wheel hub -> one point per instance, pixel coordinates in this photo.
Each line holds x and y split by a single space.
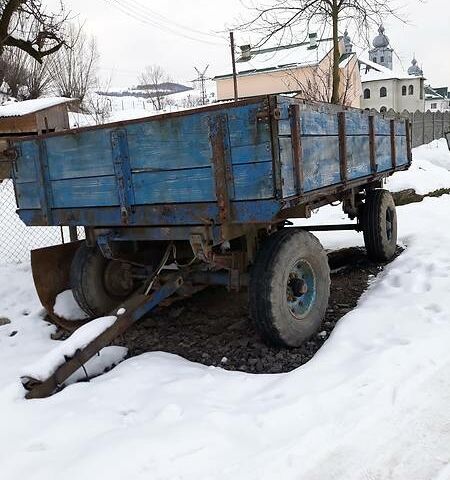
118 279
301 289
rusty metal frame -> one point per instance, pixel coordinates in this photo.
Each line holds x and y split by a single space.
296 139
408 127
372 146
342 147
393 146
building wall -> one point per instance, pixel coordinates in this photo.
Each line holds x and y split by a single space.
53 119
295 79
394 98
439 105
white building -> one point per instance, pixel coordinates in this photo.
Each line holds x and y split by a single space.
385 87
437 99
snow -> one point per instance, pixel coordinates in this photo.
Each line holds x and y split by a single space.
47 365
372 404
430 170
67 307
16 109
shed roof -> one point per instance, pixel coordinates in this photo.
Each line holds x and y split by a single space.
18 109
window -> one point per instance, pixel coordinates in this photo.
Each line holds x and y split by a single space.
383 92
411 90
381 59
433 106
375 59
383 110
404 90
367 93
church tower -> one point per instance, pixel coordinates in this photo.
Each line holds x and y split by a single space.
382 52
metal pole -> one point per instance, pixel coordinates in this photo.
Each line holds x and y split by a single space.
233 59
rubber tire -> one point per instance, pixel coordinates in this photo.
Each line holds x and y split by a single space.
379 247
267 288
86 281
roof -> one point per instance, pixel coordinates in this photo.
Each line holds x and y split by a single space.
18 109
432 94
379 72
282 57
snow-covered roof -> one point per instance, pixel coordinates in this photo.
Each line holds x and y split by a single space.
283 57
379 72
18 109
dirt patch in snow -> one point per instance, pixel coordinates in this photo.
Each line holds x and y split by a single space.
213 327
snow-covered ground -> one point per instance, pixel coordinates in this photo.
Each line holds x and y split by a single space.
372 404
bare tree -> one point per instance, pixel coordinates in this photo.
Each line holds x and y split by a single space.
30 27
74 67
25 77
317 85
153 80
280 19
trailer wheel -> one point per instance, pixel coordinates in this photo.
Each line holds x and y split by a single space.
99 284
289 287
379 223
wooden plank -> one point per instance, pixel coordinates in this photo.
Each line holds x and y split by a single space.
86 154
170 143
343 146
288 169
393 144
176 186
401 150
27 162
253 181
85 192
382 126
244 127
260 152
358 157
383 149
357 122
318 123
27 195
321 162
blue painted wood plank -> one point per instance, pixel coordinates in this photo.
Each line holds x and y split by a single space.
400 127
85 192
383 153
244 127
287 167
320 156
27 162
382 126
253 181
358 157
260 152
27 195
356 122
401 150
170 143
318 123
85 154
176 186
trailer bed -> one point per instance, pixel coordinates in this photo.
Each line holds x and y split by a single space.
232 163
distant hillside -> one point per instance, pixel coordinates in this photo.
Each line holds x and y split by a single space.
147 91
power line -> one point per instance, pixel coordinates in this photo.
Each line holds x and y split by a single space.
146 19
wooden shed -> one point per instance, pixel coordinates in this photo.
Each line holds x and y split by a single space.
32 117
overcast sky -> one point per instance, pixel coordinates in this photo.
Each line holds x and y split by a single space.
135 33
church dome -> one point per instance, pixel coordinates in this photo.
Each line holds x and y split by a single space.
414 69
381 40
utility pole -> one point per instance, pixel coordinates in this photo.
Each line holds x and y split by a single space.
233 59
201 80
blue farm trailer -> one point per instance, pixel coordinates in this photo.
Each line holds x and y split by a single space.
174 202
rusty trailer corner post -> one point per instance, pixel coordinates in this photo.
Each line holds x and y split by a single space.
408 127
296 139
135 308
222 165
393 146
342 147
372 147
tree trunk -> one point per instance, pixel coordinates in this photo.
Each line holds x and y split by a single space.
336 55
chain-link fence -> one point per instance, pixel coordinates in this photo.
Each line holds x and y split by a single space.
16 239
